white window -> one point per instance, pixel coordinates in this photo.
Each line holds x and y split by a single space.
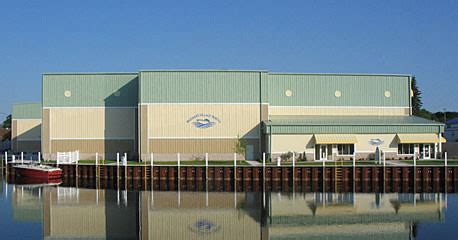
406 149
345 149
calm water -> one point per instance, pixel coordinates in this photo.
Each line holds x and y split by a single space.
56 212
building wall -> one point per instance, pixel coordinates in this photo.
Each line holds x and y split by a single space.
90 113
26 128
173 103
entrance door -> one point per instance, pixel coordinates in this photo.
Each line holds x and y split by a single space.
324 152
425 151
249 152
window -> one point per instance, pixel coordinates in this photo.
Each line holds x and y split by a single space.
406 149
346 149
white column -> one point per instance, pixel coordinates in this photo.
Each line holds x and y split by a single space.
294 159
22 157
96 159
414 159
206 159
125 157
39 157
6 159
117 159
179 160
354 159
263 159
152 159
440 143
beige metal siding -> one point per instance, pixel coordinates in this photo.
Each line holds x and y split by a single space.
144 146
176 120
29 129
339 111
293 143
28 146
192 145
93 123
93 146
46 138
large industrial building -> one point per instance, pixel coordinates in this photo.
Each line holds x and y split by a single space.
192 112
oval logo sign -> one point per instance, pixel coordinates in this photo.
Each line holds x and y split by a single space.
202 120
204 226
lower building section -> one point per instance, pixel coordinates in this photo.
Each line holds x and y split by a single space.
87 148
195 149
26 146
361 146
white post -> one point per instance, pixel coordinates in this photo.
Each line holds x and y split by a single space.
125 159
117 159
263 159
278 161
445 156
235 171
384 160
14 158
206 173
22 157
96 158
354 159
39 157
294 159
179 160
152 160
414 159
6 159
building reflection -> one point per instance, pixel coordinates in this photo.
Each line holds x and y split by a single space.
110 214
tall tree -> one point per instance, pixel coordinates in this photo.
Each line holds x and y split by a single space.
7 122
416 98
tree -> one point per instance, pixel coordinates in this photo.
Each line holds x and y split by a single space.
7 122
416 98
240 146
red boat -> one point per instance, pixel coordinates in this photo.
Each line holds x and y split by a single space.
41 172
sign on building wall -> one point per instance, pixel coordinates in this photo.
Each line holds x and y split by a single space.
203 121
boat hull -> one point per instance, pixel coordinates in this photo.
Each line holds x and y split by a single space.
38 174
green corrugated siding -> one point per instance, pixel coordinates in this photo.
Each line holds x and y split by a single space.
357 90
27 111
352 129
200 87
90 90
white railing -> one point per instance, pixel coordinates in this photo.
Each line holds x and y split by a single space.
67 157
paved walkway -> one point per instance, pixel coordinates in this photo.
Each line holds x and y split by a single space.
396 163
254 163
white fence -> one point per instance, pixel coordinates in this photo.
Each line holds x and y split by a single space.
68 157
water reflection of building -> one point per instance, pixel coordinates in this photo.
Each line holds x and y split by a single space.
200 215
69 213
26 203
74 213
351 216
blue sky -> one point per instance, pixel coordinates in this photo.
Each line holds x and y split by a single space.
415 37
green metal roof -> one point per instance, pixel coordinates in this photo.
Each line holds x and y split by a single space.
355 89
26 111
90 90
350 124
